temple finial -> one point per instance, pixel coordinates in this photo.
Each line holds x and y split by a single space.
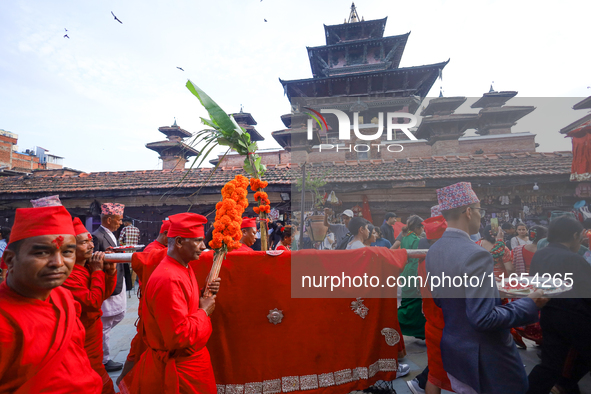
353 16
440 91
492 90
174 124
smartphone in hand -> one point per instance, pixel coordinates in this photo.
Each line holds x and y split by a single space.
494 226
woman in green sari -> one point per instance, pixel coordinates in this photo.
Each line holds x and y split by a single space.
410 311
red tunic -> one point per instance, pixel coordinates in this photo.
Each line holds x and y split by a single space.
243 248
90 290
42 345
527 256
176 331
143 264
154 245
433 333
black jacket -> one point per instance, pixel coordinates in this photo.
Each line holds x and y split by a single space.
102 241
558 259
388 232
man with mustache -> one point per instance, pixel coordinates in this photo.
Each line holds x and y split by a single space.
91 282
176 318
41 337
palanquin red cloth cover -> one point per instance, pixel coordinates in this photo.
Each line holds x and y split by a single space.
320 345
581 166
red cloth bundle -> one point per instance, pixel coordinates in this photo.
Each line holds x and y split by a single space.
320 344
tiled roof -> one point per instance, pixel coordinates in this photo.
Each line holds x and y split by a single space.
412 169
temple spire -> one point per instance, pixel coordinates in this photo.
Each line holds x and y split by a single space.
353 16
492 90
174 124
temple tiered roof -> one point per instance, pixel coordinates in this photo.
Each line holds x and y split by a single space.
358 61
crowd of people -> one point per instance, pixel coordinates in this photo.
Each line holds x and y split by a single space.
61 298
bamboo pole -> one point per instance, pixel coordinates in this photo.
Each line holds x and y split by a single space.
218 259
301 243
264 231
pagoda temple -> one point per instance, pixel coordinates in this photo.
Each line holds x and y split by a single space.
247 122
174 153
358 70
495 117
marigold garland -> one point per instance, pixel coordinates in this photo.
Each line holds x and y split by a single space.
256 184
228 218
260 196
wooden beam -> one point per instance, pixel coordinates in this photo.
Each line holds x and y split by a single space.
346 56
392 51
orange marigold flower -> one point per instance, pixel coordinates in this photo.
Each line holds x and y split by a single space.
260 196
256 209
253 184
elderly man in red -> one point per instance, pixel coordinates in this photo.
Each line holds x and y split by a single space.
249 232
176 318
41 337
161 242
91 282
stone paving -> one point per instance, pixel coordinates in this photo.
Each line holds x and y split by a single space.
416 352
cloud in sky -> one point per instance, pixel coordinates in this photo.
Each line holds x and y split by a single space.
98 97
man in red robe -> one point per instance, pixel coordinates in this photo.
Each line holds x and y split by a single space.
91 282
143 264
436 377
41 337
249 234
161 242
176 318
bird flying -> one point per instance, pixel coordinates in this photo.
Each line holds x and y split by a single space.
265 20
180 69
66 36
117 19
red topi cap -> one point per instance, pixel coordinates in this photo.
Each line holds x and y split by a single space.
79 228
165 226
435 227
33 222
187 225
248 222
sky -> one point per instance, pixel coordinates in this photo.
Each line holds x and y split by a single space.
97 97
